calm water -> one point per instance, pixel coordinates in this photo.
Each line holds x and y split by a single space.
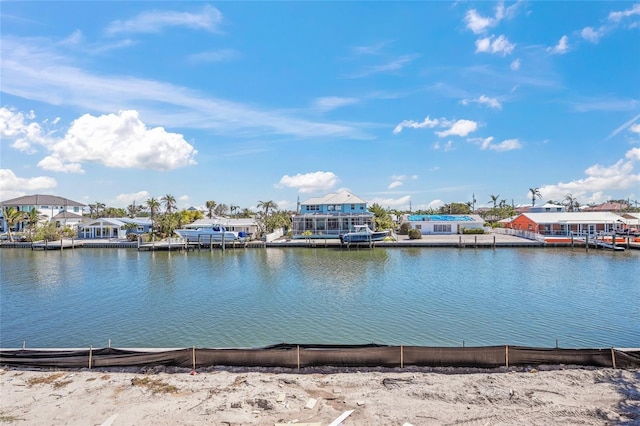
258 297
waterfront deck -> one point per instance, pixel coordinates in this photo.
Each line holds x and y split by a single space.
479 241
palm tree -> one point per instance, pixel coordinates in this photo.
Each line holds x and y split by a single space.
266 205
12 216
571 202
154 206
33 218
234 209
99 208
494 200
169 202
221 210
210 206
535 193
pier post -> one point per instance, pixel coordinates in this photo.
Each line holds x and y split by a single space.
494 241
459 241
61 244
475 241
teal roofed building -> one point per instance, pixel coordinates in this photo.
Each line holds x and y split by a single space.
330 216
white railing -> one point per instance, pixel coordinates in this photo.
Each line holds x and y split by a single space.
519 233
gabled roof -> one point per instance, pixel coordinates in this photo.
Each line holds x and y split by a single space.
342 197
40 200
573 217
608 206
67 215
102 220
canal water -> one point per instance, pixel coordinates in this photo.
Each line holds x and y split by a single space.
259 297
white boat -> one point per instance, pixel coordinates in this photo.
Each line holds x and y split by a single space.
206 233
363 234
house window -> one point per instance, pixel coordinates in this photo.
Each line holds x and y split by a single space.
353 206
140 228
314 208
333 224
418 226
442 228
76 209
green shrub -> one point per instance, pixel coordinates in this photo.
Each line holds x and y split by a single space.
473 231
414 234
404 229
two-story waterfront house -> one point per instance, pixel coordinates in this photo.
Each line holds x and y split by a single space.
52 207
330 216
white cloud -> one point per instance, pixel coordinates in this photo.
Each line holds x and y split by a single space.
592 35
479 24
506 145
561 48
515 65
446 147
138 197
310 182
500 45
394 65
120 141
617 16
434 204
633 154
635 128
394 184
12 186
329 103
598 180
476 23
33 69
156 21
391 202
427 122
484 100
14 126
459 128
624 126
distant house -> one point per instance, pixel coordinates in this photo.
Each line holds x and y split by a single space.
566 223
109 227
46 205
443 223
609 206
547 208
330 216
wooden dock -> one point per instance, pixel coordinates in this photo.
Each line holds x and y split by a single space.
56 245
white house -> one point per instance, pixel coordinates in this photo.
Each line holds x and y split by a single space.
443 223
48 206
110 227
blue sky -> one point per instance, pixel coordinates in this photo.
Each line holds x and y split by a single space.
401 103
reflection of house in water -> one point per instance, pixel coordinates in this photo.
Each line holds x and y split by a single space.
330 216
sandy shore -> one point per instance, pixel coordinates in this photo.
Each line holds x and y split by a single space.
533 397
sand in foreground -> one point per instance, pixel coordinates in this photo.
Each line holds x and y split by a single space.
572 396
